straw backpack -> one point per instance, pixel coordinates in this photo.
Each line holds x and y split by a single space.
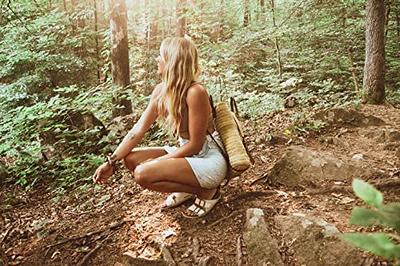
228 126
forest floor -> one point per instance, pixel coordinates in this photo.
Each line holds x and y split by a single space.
96 225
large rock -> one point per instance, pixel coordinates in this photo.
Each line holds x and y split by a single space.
262 248
63 134
315 242
349 117
301 166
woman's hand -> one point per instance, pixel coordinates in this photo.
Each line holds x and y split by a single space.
103 172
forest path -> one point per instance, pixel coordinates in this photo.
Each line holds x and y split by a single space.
95 226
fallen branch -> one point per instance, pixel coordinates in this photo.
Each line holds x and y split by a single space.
265 176
111 226
223 218
196 249
5 235
87 256
383 185
239 252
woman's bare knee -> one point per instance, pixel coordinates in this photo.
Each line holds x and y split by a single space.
141 175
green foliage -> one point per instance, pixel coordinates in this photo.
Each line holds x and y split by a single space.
367 193
388 215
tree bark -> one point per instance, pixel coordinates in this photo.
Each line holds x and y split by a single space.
276 41
119 53
65 5
181 18
246 13
96 41
374 68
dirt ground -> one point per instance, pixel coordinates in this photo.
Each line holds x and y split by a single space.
96 225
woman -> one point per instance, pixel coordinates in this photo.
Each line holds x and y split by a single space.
197 167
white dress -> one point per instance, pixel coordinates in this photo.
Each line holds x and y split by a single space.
209 165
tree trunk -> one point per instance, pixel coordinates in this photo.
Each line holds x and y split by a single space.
181 18
276 41
246 14
96 41
398 24
65 5
374 68
74 3
387 17
119 53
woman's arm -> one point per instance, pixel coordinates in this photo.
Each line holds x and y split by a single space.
136 134
198 116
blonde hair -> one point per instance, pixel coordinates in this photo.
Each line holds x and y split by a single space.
181 69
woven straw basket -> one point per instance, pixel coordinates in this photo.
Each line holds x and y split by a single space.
232 137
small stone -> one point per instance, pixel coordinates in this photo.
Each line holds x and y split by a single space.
358 157
392 135
346 200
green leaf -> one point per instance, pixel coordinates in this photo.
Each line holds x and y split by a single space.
391 215
367 192
377 243
365 217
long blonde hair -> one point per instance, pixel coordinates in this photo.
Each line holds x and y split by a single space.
181 69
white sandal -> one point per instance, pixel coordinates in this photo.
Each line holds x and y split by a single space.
177 198
201 207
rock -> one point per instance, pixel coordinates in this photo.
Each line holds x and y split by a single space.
349 117
262 248
392 135
290 101
358 157
59 135
301 166
129 259
316 242
291 82
120 125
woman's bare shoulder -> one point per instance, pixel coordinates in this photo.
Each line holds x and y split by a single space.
197 90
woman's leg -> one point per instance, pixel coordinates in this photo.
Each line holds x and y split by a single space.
170 175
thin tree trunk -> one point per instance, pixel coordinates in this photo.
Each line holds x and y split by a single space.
65 5
387 18
74 3
119 54
96 41
276 41
353 70
374 68
246 13
398 24
181 18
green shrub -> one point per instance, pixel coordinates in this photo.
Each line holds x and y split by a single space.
387 215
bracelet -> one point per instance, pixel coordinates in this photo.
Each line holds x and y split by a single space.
111 162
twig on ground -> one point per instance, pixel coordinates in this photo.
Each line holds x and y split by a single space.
87 256
239 252
196 249
6 235
381 185
264 176
111 226
223 218
167 256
